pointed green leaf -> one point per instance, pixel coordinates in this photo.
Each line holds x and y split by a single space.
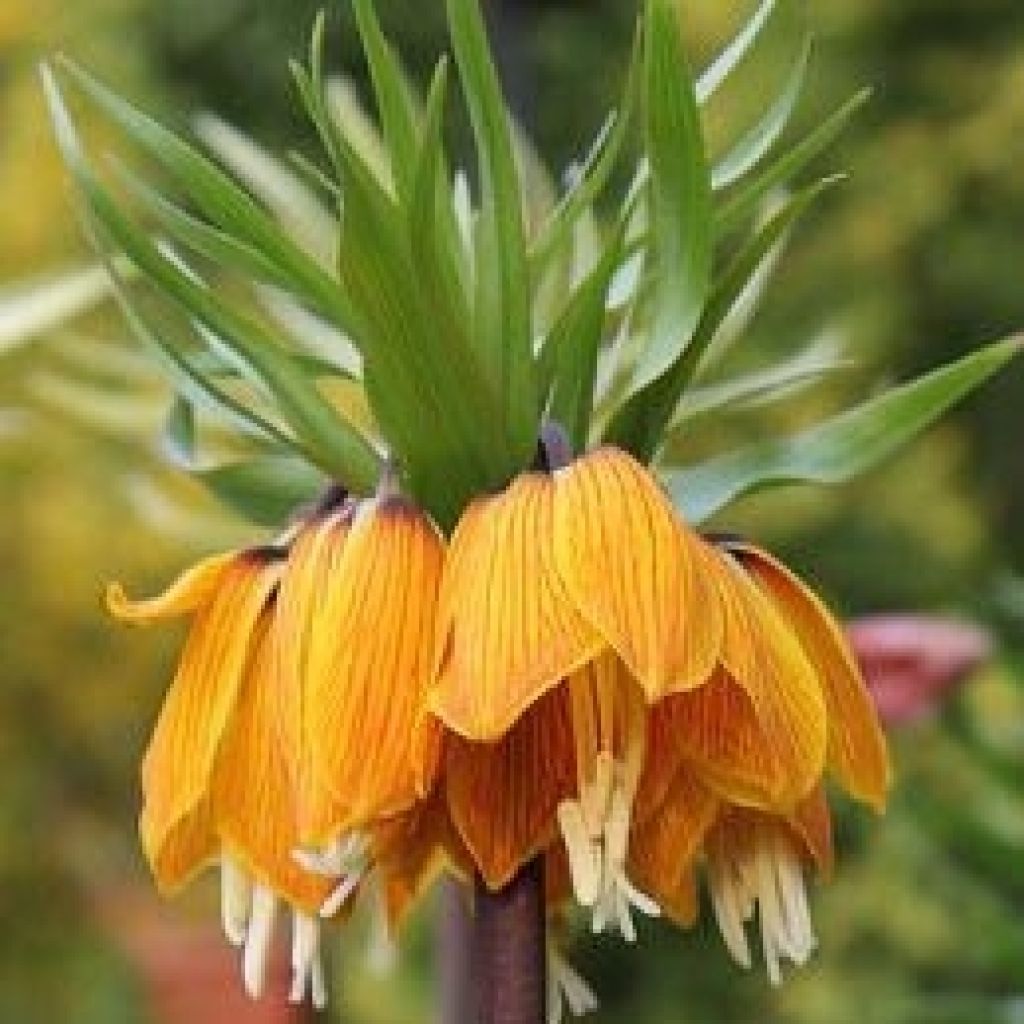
680 229
266 490
393 104
757 143
218 197
571 347
841 448
724 64
502 327
328 438
639 424
590 179
789 164
758 387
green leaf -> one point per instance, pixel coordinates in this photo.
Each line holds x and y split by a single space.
590 179
266 489
757 143
760 386
218 197
326 436
724 64
570 350
639 424
679 196
841 448
789 164
393 104
501 309
179 441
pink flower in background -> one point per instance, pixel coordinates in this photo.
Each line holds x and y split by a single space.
911 662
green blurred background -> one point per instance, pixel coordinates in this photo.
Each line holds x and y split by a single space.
916 259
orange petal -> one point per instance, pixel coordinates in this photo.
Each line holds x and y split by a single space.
856 745
412 850
177 855
636 571
507 630
179 762
662 851
717 730
812 823
765 658
302 627
189 592
503 796
254 803
366 685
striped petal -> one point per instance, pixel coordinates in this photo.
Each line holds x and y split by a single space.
302 628
663 851
193 589
366 687
636 571
507 629
718 731
179 762
812 823
763 656
253 800
856 745
503 796
178 854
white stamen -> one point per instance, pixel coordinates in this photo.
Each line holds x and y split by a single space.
257 940
347 859
566 987
595 831
307 970
339 897
766 879
235 899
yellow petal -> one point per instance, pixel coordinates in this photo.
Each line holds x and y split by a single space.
507 630
366 686
765 658
177 768
503 796
662 852
193 589
856 745
636 571
253 800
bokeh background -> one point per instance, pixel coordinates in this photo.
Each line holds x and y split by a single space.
915 260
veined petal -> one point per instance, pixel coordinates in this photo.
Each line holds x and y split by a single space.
856 745
177 855
507 629
253 801
663 850
812 823
718 731
765 658
302 626
636 571
503 796
193 589
412 849
367 685
178 765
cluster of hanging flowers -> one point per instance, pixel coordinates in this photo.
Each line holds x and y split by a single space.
575 675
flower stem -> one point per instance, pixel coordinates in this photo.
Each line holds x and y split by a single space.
509 949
